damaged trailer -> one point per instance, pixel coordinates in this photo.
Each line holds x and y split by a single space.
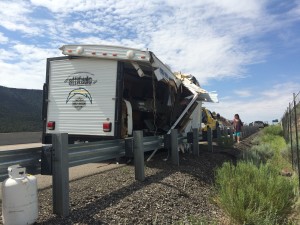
98 92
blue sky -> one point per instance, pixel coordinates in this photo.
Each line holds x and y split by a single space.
247 51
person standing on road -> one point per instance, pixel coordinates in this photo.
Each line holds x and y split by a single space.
237 125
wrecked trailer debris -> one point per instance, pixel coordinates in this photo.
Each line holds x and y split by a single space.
98 92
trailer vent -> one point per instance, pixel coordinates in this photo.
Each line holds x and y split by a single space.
107 126
51 125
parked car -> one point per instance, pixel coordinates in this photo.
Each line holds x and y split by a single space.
259 124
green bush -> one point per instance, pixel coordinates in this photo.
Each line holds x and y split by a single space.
259 154
255 140
277 143
254 195
273 130
269 148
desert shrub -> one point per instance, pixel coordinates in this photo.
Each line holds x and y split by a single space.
277 143
254 195
273 130
260 153
255 140
269 148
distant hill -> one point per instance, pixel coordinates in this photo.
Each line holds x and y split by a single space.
20 110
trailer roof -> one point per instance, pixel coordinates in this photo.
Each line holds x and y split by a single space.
162 72
106 52
136 56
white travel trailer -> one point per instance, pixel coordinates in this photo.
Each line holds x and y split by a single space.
98 92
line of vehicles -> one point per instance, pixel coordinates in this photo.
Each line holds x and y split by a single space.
259 124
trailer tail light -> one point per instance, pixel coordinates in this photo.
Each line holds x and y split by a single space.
107 126
51 125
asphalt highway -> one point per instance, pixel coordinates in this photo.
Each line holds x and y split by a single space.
20 138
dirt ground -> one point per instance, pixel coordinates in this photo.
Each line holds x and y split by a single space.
169 195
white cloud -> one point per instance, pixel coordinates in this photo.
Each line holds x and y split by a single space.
244 9
87 27
266 106
243 93
110 41
7 55
205 38
280 89
14 17
24 66
31 53
66 6
3 39
206 49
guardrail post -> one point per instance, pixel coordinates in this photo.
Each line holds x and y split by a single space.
129 147
209 139
244 132
174 147
224 132
138 152
231 133
196 142
46 160
60 178
219 135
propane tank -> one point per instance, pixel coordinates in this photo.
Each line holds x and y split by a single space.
19 197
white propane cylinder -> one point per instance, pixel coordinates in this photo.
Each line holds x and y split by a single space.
19 197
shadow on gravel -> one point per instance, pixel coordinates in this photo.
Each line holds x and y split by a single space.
81 214
201 168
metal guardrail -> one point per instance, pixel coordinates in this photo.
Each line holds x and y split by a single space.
95 152
79 154
29 158
83 153
57 159
153 142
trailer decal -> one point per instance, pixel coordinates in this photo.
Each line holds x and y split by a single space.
81 79
79 102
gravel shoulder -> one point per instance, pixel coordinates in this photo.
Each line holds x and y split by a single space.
170 194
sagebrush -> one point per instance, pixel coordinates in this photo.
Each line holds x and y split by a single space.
254 195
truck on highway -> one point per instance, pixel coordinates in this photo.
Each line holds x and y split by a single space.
99 92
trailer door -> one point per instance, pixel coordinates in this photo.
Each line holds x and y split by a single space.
82 96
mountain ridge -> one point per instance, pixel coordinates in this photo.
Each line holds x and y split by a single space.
20 110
